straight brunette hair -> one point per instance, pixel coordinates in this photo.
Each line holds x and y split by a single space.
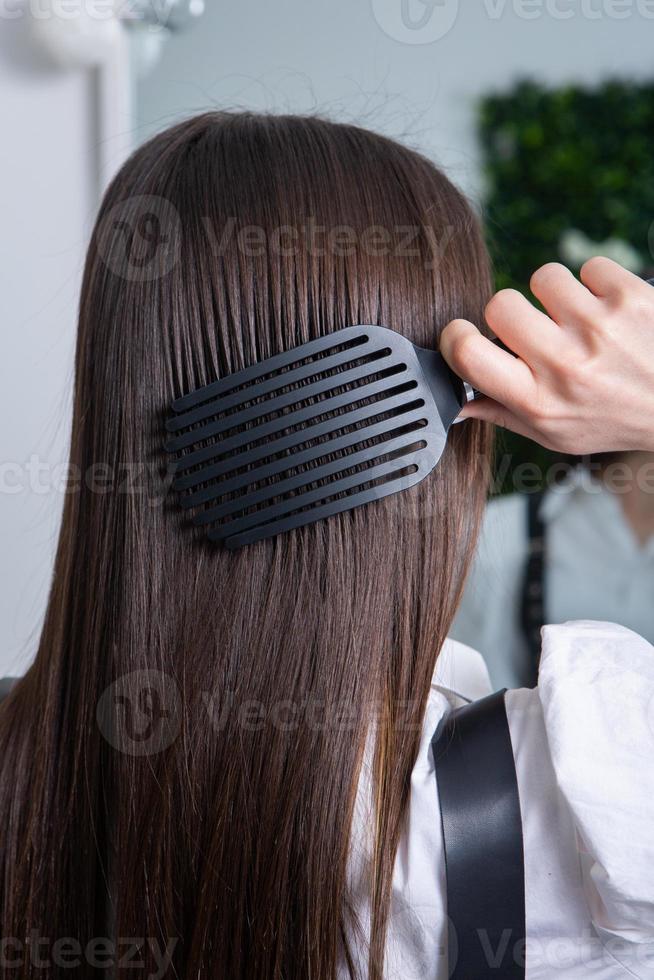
181 761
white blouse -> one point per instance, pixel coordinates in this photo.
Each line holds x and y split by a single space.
583 743
595 569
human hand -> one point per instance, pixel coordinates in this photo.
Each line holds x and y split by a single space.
583 377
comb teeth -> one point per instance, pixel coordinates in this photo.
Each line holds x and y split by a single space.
400 446
239 418
315 431
311 352
380 431
224 400
373 484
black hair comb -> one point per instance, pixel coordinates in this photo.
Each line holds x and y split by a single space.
328 426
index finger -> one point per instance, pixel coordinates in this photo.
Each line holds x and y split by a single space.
493 371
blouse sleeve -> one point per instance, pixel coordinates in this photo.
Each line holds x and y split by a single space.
596 687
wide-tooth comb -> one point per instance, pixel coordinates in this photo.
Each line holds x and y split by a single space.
328 426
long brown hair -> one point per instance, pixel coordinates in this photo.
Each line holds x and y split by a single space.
222 241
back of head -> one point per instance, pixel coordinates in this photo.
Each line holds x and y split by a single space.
225 240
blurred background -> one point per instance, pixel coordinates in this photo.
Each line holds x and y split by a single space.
542 111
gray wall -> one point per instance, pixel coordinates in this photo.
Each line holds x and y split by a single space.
47 201
334 56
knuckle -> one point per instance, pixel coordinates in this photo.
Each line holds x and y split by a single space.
594 266
620 307
627 303
500 303
578 381
528 407
573 371
463 347
547 274
544 408
593 319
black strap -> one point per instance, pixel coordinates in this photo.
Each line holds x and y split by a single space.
482 834
532 605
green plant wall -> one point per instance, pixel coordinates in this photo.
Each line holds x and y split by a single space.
568 172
